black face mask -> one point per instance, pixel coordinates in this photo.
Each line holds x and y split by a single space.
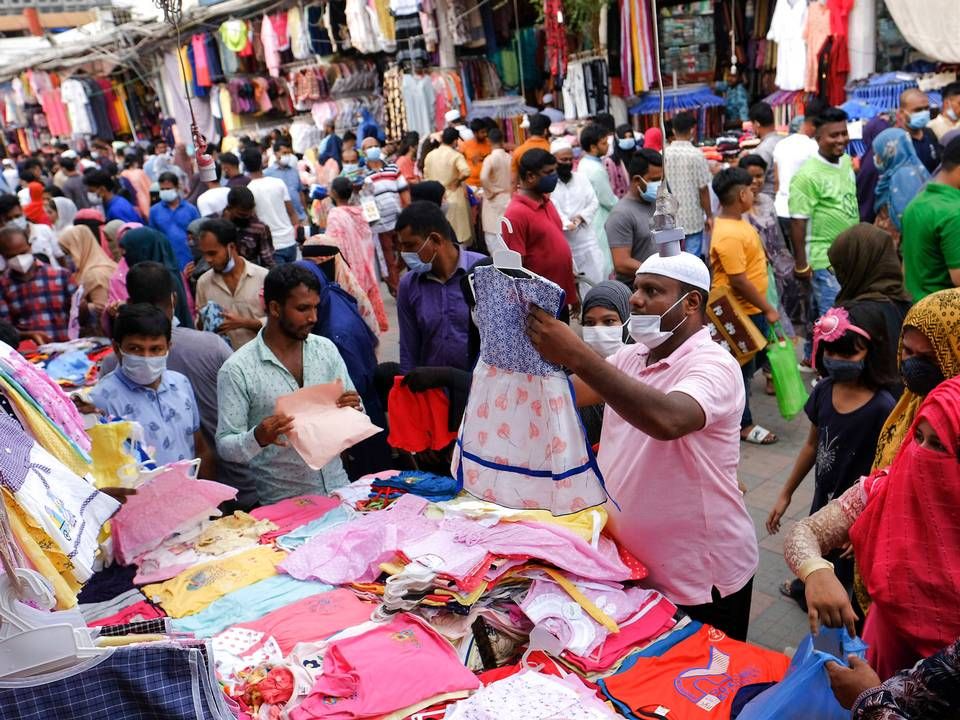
565 171
241 222
920 375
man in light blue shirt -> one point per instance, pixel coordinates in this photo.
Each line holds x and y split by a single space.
143 390
285 168
283 358
172 215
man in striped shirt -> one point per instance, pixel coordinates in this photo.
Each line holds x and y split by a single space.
392 194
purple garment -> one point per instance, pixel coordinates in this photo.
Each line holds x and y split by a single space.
435 319
352 552
16 446
869 175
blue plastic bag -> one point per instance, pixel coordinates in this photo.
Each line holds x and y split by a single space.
805 690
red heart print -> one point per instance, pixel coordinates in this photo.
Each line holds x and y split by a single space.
537 407
473 477
483 411
503 431
558 445
482 438
522 396
502 401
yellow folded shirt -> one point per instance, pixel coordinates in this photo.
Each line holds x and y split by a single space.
192 590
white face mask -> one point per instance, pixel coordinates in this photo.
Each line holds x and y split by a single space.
605 339
143 370
646 330
21 263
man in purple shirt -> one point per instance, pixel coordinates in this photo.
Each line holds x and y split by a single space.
432 310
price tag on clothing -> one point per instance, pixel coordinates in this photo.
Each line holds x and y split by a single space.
370 212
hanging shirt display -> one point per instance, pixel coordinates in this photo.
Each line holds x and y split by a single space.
521 443
787 30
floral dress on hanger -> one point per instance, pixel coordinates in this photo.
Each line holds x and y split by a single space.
521 444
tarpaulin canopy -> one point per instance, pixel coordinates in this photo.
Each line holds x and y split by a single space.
931 26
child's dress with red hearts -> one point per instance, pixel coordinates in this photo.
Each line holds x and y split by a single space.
521 443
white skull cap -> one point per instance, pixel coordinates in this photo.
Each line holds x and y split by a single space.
685 268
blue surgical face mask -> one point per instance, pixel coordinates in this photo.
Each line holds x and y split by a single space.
414 263
168 196
143 370
650 193
919 120
627 144
841 370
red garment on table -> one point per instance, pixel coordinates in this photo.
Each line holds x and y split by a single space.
907 539
277 686
656 620
418 420
132 613
697 678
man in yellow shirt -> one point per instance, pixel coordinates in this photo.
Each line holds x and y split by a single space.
738 262
476 150
537 132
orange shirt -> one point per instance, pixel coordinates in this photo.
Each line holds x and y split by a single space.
475 152
698 678
534 141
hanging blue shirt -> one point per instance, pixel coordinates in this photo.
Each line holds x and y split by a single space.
173 222
169 415
119 208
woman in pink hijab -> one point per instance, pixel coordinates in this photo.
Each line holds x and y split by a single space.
653 140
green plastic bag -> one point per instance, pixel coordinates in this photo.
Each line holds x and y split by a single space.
787 381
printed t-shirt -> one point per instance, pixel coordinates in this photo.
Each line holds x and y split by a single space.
680 511
698 678
735 248
824 193
384 670
194 589
293 512
312 618
931 240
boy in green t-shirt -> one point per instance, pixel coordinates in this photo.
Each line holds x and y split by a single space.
823 203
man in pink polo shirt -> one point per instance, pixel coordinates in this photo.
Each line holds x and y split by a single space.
671 441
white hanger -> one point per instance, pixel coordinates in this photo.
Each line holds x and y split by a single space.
503 257
34 641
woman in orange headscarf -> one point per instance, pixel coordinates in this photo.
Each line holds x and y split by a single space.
33 210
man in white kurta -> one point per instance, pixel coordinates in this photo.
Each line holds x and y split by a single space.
577 204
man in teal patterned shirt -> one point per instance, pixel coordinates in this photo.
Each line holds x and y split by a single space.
283 358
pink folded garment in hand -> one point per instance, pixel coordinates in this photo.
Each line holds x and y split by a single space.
321 430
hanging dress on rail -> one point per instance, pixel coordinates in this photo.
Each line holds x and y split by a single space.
521 444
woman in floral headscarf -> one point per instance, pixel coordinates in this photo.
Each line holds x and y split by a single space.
902 175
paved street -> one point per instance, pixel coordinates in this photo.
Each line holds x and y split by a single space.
775 621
